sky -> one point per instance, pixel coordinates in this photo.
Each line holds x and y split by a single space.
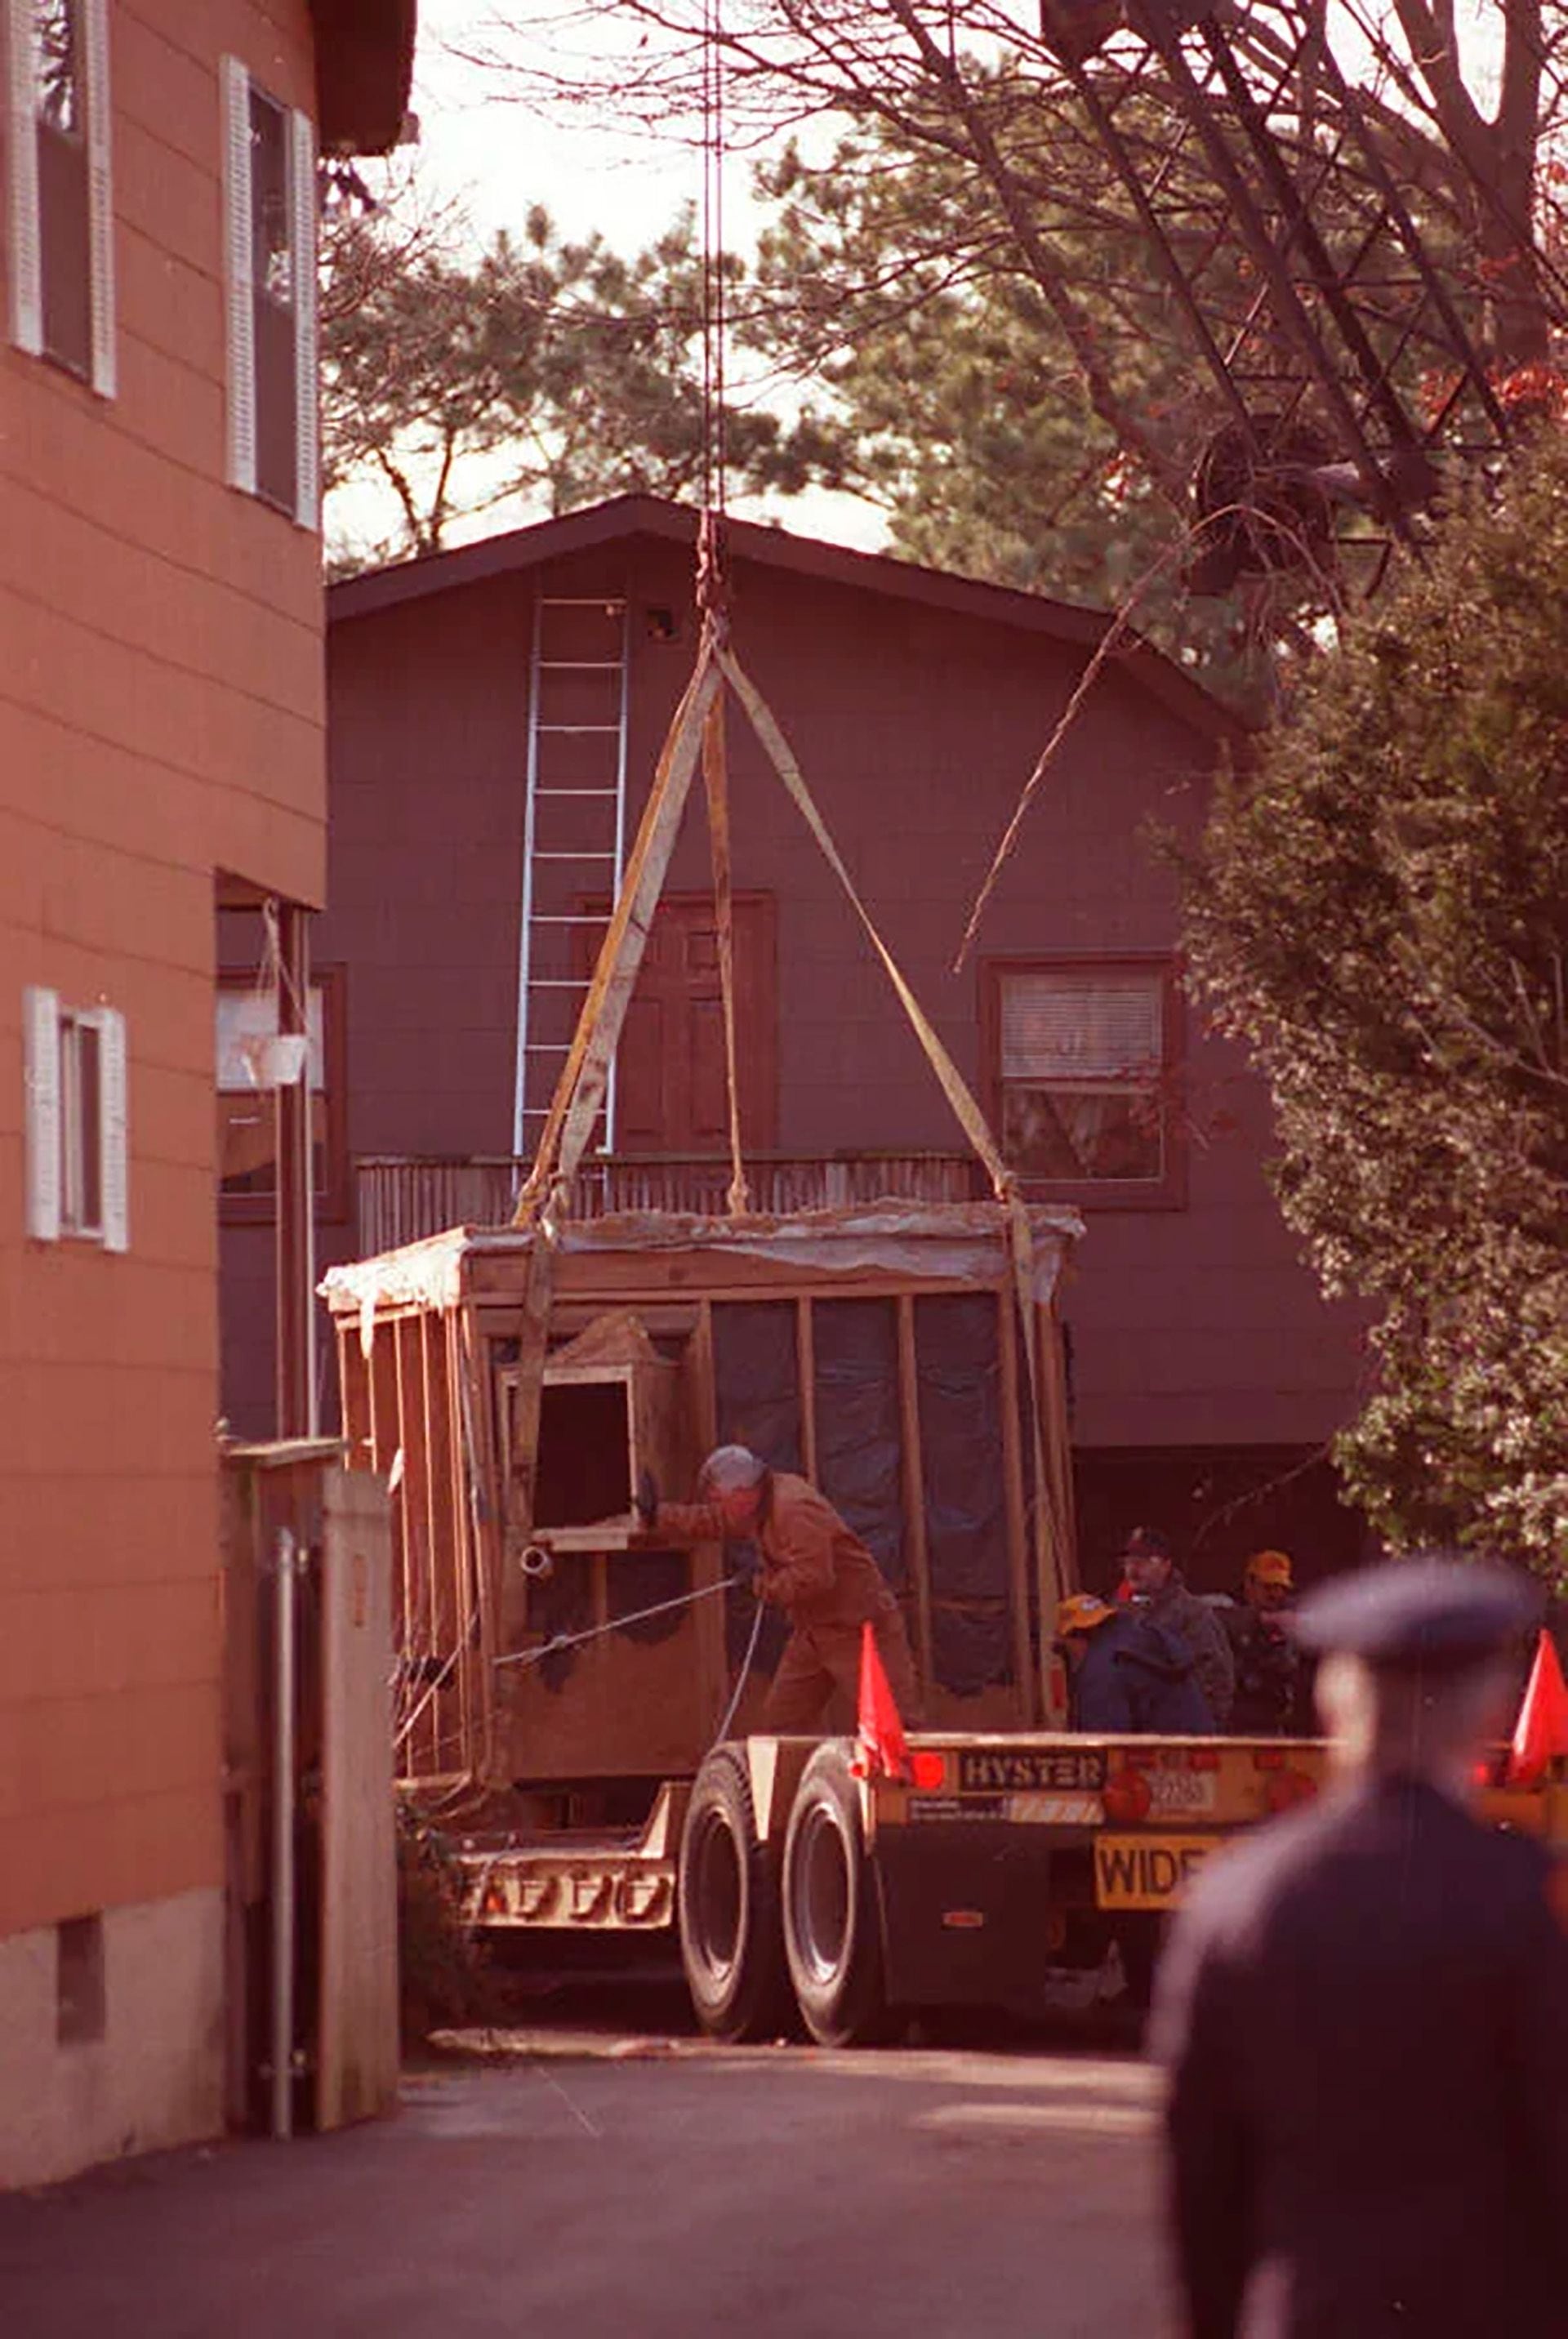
494 156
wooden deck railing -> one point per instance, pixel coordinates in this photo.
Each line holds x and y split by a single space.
401 1198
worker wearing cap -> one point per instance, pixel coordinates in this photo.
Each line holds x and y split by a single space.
1363 2014
1157 1587
810 1565
1125 1672
1269 1673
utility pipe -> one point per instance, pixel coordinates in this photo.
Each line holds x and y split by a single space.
283 1894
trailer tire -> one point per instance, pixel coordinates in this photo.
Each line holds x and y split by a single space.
831 1916
732 1945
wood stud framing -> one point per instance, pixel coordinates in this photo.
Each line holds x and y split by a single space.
428 1389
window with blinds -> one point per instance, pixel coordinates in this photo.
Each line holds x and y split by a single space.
62 223
1081 1067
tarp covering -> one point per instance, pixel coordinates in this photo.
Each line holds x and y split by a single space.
859 1445
757 1389
958 1371
948 1241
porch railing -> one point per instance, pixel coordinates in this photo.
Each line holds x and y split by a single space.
401 1198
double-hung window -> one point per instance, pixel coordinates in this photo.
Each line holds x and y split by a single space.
1083 1055
61 195
75 1122
270 240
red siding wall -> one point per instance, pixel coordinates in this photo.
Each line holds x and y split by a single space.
161 718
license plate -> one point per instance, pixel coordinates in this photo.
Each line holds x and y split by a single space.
1148 1871
1183 1794
1031 1770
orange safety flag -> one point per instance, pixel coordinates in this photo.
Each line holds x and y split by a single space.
1541 1729
884 1749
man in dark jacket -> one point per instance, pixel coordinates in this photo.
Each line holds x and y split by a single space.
1125 1674
1364 2010
1158 1585
1270 1675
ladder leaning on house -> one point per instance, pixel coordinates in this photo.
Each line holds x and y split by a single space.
574 836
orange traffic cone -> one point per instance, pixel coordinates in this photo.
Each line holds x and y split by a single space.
1541 1729
884 1749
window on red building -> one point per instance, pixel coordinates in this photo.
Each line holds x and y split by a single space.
1082 1054
60 202
250 1066
270 215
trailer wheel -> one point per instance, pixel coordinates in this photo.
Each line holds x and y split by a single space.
731 1944
833 1925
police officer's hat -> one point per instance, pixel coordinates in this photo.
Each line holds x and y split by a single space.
1433 1614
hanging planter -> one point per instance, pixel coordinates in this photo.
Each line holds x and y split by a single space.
276 1060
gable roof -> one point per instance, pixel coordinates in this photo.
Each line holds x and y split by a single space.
801 556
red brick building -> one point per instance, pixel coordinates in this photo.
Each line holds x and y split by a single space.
485 708
161 712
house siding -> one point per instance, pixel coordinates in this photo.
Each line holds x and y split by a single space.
161 721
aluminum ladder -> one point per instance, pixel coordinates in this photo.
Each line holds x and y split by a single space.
574 836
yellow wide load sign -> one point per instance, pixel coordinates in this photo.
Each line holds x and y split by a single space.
1147 1871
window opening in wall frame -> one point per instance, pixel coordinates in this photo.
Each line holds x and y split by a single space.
61 190
1083 1058
269 239
76 1142
247 1018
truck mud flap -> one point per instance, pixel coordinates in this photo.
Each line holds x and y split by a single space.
968 1913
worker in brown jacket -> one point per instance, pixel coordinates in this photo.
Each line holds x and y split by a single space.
810 1565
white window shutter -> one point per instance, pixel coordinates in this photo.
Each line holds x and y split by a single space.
100 196
41 1059
239 289
307 383
114 1172
25 256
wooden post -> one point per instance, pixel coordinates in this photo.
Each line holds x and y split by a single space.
1016 1512
806 1380
914 1486
707 1559
355 2069
294 1379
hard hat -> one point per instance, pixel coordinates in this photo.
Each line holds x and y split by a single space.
1080 1612
1270 1567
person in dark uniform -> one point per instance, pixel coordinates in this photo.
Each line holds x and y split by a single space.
1363 2013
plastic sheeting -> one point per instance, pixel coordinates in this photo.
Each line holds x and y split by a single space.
757 1383
859 1441
958 1369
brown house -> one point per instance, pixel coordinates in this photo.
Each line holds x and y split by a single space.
161 711
494 714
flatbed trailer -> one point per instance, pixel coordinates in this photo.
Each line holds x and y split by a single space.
1002 1865
559 1690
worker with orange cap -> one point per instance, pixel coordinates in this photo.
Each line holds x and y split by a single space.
1269 1679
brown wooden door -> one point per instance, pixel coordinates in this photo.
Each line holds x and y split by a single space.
670 1070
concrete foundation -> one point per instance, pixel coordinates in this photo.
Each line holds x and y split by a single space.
111 2037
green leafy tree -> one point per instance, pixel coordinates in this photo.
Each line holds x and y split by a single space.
542 370
1382 914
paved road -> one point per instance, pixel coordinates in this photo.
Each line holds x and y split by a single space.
637 2190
